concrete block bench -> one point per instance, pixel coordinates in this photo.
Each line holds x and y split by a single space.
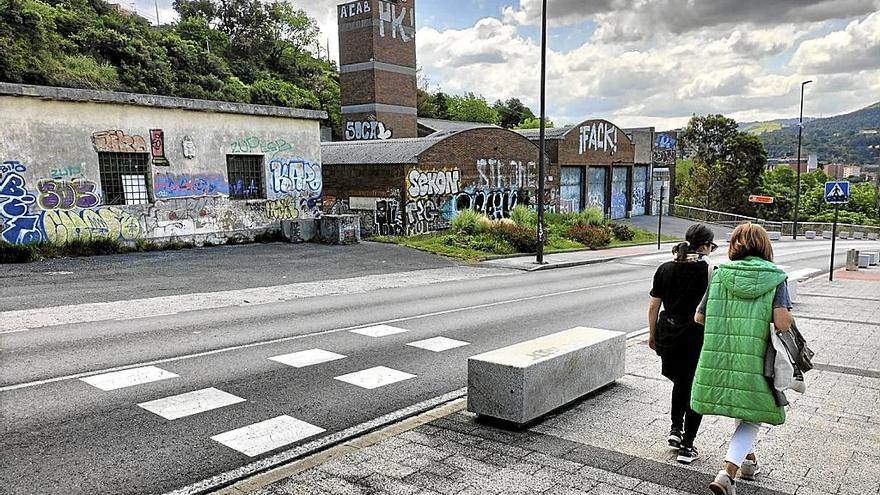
858 236
864 260
874 259
872 236
843 235
810 234
524 381
774 235
827 234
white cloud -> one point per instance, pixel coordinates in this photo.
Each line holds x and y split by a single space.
855 48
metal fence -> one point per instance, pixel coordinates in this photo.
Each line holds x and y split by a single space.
786 228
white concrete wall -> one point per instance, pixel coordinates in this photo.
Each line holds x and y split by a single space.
50 185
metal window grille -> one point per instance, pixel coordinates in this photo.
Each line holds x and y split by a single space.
124 178
246 179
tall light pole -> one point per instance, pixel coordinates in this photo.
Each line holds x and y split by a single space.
797 198
540 259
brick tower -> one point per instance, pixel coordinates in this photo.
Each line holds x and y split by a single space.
377 69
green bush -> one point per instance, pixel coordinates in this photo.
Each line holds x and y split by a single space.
486 243
522 239
282 93
470 222
591 236
622 232
524 217
17 253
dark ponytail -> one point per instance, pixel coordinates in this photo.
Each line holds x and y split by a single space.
681 251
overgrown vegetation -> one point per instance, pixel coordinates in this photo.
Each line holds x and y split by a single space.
246 51
26 253
473 236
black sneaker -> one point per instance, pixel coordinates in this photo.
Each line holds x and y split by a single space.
674 438
687 455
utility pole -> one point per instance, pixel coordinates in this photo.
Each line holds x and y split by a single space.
540 259
156 3
797 200
660 215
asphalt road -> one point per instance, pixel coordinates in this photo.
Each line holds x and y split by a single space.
62 435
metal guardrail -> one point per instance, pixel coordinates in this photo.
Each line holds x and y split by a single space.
786 228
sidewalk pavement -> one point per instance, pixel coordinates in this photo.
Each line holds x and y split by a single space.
576 258
614 441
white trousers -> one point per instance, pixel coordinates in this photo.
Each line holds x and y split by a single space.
743 442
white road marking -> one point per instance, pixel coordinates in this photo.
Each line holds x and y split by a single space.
222 350
655 257
17 330
183 405
379 331
375 377
307 358
128 378
255 439
438 344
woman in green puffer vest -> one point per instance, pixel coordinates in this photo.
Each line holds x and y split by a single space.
744 297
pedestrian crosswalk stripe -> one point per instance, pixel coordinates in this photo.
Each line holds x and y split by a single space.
375 377
803 273
379 331
183 405
128 378
438 344
258 438
307 358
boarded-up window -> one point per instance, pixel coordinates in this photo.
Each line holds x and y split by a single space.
246 176
124 178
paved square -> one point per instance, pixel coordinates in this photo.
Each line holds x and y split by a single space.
128 378
255 439
379 331
307 358
375 377
183 405
438 344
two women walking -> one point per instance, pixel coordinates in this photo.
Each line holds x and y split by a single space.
744 297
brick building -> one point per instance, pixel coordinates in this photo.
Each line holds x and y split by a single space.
598 168
377 69
413 186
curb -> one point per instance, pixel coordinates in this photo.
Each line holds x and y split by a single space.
570 264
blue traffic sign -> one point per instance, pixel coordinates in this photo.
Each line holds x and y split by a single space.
837 192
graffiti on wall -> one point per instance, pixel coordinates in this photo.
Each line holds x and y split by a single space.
168 185
110 222
281 209
59 194
389 220
389 14
495 204
116 141
599 136
73 170
664 156
665 142
354 8
369 130
293 176
433 183
157 147
19 225
254 144
501 174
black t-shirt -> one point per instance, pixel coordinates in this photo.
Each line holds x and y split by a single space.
681 286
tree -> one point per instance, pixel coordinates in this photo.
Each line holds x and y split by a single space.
534 123
471 108
707 138
441 103
512 113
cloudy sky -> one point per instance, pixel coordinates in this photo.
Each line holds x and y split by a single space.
646 62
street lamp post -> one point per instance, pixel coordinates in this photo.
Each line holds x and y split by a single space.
797 200
540 259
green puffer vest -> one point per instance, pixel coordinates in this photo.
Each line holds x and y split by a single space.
730 375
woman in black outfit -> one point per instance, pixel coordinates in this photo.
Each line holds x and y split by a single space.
679 287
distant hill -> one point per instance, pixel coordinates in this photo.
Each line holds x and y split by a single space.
834 139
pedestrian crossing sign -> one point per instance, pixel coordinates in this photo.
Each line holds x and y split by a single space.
837 192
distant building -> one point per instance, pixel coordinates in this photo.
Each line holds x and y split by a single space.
842 171
807 164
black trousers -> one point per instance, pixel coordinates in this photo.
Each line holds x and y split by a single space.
680 367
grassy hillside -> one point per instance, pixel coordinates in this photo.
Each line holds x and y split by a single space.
835 139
